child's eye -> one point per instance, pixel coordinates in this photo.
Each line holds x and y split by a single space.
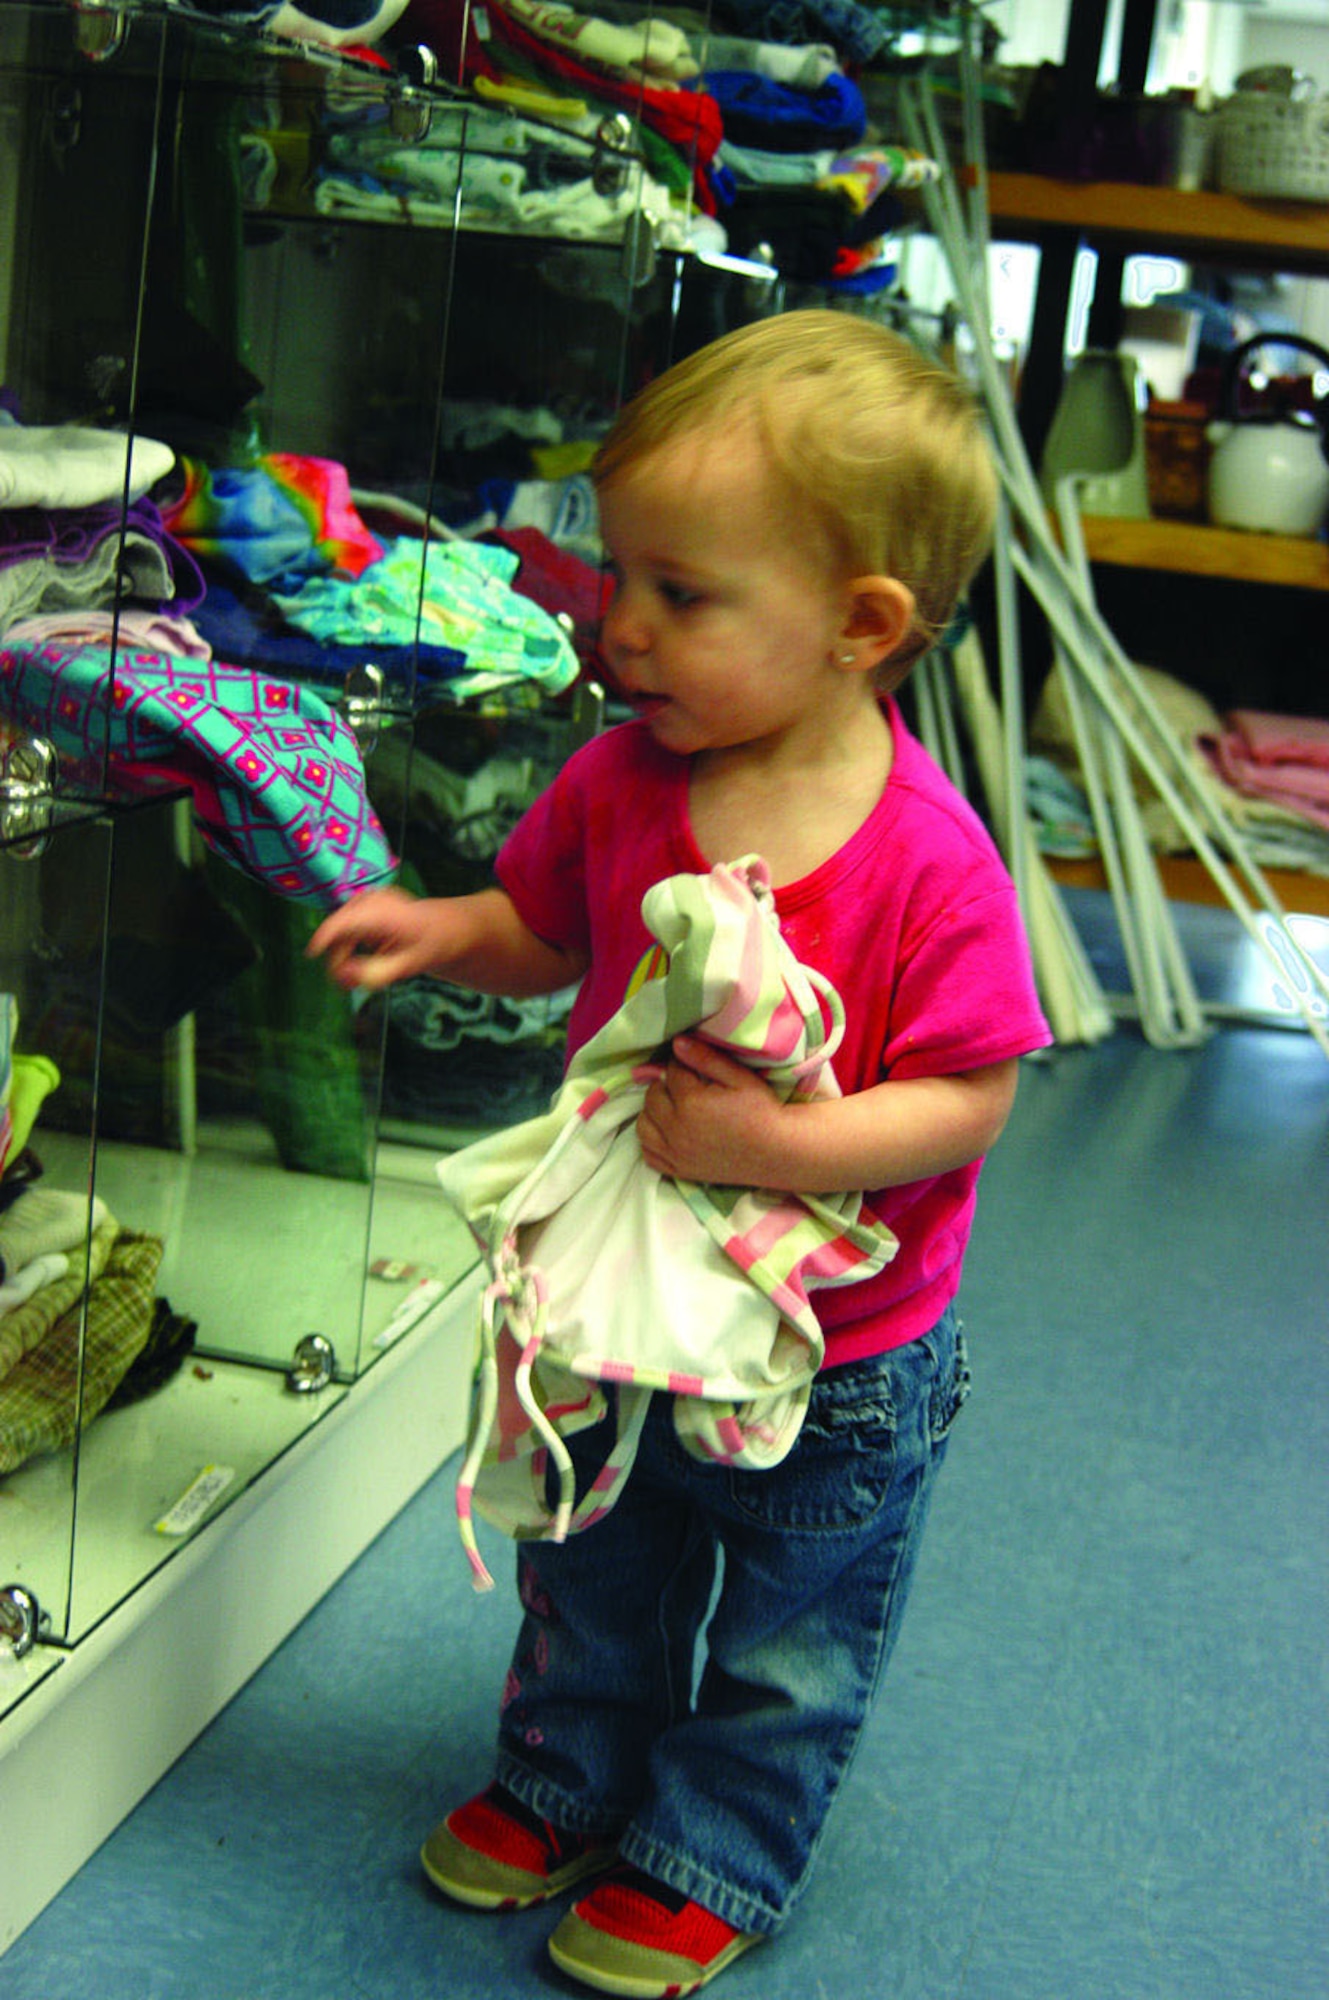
678 596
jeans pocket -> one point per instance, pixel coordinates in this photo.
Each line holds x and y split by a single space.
951 1390
843 1463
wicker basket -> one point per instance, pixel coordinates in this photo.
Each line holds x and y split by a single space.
1274 146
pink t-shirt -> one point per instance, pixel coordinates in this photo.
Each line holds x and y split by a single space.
914 920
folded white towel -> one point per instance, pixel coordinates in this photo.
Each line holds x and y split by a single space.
70 465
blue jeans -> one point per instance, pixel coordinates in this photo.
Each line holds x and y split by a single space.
715 1764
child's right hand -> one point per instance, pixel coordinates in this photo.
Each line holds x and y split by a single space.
380 936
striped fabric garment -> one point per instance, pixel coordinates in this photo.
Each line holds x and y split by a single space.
609 1281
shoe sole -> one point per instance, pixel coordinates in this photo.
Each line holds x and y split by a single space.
482 1883
616 1965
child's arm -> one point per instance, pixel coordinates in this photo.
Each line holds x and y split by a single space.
712 1119
478 941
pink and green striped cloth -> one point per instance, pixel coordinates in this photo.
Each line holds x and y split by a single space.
603 1272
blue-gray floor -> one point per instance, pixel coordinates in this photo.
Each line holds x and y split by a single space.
1099 1768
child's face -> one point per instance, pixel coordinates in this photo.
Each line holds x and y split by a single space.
726 619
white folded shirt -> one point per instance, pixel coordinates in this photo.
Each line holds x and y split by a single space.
71 465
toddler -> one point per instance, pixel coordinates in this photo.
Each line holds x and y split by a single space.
790 517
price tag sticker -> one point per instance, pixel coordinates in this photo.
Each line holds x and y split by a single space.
416 1303
195 1501
393 1269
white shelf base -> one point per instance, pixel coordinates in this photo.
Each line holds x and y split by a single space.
82 1747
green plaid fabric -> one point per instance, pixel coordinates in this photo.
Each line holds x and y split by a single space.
40 1404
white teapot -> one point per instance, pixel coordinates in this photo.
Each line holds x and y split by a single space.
1268 469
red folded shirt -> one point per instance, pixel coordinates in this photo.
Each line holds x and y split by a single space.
688 119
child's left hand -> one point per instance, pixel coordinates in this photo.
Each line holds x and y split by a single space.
710 1118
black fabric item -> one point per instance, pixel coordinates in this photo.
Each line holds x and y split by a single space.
804 228
170 1338
21 1173
880 218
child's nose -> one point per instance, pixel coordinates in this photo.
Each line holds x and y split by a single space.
625 630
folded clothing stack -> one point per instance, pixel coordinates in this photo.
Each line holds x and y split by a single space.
1281 759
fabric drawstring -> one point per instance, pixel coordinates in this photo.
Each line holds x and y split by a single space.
796 1078
519 1295
812 1065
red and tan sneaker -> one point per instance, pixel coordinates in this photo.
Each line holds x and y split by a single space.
494 1853
632 1935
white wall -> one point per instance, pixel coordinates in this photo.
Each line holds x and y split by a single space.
1195 41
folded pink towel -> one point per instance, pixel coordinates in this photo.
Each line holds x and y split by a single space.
1281 739
1296 785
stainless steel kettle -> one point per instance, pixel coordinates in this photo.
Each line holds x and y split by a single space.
1268 468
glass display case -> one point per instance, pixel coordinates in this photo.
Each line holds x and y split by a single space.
289 376
305 352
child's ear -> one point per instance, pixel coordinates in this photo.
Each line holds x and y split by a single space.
880 618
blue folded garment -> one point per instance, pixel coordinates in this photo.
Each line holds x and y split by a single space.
780 119
249 635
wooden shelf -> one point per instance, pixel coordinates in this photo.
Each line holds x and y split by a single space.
1278 235
1186 880
1190 549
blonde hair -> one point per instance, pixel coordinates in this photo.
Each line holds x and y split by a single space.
881 447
